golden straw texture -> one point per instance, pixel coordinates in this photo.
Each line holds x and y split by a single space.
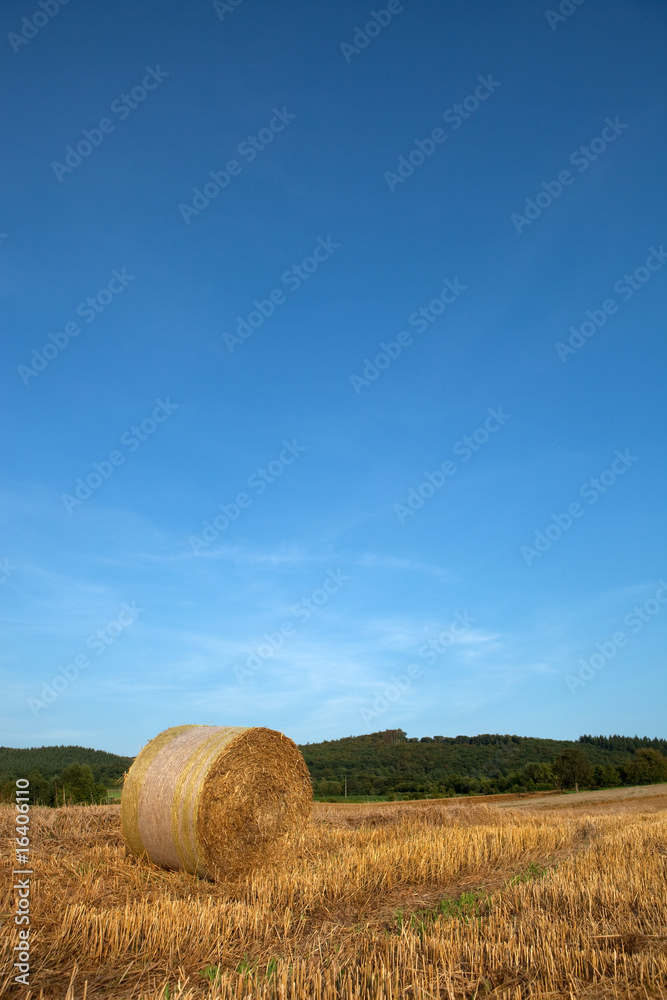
216 801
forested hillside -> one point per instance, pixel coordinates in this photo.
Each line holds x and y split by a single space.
390 763
50 761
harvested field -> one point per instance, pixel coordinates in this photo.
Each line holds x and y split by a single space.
642 797
449 899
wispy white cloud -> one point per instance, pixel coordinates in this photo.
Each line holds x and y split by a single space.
239 555
372 560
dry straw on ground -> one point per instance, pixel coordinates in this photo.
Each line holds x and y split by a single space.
545 903
215 801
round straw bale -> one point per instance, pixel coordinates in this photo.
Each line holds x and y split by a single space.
215 801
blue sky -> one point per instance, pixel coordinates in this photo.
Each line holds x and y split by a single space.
245 479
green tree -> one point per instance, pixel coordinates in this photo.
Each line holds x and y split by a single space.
329 788
647 766
77 784
572 768
606 776
8 791
540 774
41 790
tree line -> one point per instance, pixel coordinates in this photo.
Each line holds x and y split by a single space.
76 785
387 764
391 765
61 774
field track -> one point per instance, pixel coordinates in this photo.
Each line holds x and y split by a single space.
544 897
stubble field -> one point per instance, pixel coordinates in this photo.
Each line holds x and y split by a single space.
563 896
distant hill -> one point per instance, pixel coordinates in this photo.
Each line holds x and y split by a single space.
107 768
389 764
